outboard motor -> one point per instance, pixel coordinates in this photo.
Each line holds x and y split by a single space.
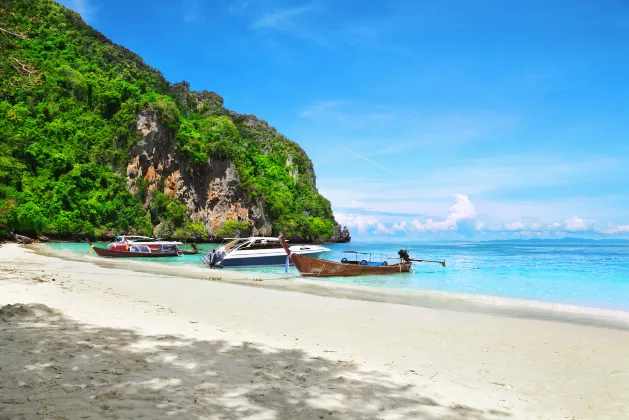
404 255
213 258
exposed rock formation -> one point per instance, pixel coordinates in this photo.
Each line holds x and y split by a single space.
212 194
341 234
23 239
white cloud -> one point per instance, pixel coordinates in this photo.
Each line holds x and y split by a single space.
382 230
612 229
461 218
400 227
358 221
515 226
576 224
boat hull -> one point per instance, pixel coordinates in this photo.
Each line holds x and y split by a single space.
273 260
116 246
314 267
188 252
110 253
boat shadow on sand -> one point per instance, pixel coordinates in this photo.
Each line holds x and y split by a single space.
53 366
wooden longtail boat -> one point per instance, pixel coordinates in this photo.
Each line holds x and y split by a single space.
188 251
192 251
144 253
315 267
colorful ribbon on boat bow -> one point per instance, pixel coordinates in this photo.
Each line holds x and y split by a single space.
287 263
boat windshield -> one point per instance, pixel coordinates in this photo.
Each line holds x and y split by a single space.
133 238
141 239
233 243
139 248
264 244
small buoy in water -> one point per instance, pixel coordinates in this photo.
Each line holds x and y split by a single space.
493 266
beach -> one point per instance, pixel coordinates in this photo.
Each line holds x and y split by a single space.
86 340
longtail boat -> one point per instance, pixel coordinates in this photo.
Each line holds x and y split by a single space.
315 267
135 251
123 242
192 251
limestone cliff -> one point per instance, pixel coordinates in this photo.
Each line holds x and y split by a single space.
212 193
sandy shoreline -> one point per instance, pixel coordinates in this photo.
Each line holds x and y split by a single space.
126 344
492 305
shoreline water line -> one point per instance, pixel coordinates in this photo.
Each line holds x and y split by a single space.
459 302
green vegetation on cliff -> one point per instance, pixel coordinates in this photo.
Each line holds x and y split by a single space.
69 99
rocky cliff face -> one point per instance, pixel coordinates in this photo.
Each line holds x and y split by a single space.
213 192
212 195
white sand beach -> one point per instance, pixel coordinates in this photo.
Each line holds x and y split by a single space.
86 340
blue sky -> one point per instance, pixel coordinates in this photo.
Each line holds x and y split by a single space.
449 119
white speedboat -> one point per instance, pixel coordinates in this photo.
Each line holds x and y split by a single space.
256 252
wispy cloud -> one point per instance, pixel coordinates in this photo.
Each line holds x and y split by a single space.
326 34
323 108
237 6
281 19
345 115
86 8
192 12
371 161
80 6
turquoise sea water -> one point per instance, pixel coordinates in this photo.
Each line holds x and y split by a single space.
584 274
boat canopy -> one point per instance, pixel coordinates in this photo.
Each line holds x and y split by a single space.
366 257
266 238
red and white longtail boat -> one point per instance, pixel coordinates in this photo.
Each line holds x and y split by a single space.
123 243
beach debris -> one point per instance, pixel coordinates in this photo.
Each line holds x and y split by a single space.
214 278
22 239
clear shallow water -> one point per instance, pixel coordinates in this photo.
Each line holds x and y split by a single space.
584 274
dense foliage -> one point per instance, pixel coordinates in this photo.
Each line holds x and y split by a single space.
68 105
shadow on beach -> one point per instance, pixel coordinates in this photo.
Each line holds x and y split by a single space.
53 367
